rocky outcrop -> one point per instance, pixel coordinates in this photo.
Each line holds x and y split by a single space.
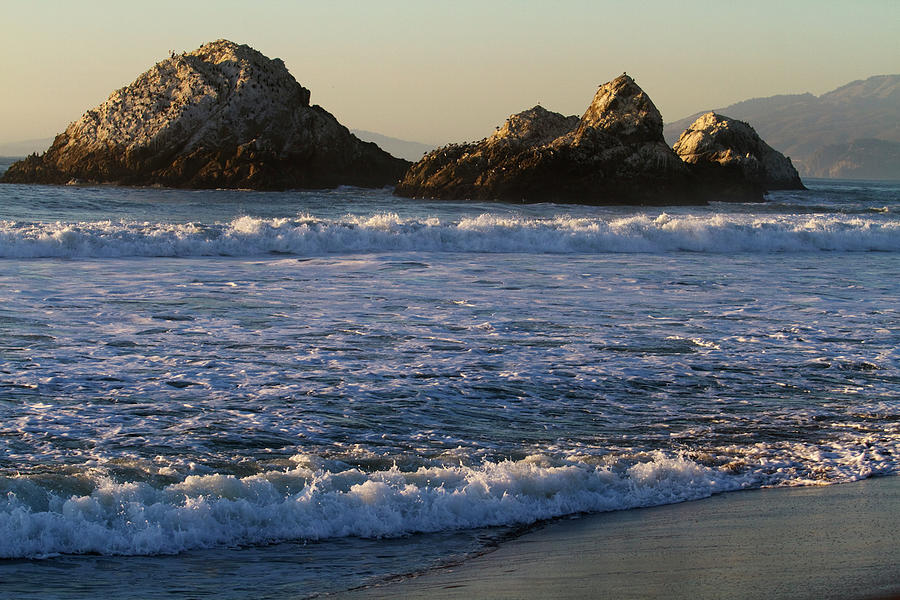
223 116
614 154
800 125
724 149
484 169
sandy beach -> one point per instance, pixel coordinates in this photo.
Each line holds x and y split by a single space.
838 541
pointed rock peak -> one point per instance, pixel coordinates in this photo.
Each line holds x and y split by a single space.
533 127
622 109
241 57
220 45
222 50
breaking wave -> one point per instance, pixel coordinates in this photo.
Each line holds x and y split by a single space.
95 514
310 236
159 508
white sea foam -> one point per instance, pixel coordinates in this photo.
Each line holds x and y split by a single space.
151 406
309 502
305 236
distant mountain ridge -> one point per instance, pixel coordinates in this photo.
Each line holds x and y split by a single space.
24 147
851 131
400 148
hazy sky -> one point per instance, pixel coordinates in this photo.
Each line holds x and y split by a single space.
448 71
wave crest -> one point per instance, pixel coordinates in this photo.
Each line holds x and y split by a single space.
310 236
309 502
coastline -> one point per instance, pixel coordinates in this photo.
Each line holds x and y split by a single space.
837 541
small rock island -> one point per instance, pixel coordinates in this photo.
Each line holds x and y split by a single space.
714 145
614 154
222 116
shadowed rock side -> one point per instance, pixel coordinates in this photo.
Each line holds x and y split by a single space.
223 116
723 149
614 154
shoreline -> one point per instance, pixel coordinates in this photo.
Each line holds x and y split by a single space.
836 541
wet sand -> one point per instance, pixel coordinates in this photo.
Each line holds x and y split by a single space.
839 541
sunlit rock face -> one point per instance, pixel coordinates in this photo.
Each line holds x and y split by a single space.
621 108
719 147
614 154
222 116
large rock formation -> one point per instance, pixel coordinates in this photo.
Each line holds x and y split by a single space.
223 116
724 149
614 154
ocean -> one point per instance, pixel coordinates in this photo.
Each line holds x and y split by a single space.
236 394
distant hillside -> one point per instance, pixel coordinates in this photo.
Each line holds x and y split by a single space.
26 147
846 132
859 159
400 148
